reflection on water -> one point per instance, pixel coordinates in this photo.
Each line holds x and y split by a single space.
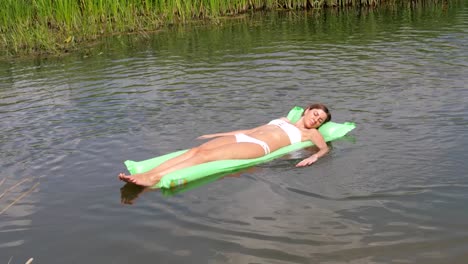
394 191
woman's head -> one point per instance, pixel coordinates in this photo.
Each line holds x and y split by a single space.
316 115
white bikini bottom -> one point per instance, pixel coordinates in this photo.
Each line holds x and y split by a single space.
245 138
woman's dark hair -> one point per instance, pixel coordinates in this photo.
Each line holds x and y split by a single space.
321 107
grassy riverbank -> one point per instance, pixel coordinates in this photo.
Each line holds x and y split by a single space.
50 26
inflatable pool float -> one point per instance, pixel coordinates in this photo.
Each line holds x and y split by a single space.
330 131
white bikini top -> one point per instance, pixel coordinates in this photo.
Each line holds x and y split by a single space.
292 131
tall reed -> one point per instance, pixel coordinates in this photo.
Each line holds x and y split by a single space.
51 26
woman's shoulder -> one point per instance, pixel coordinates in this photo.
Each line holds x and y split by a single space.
312 133
309 131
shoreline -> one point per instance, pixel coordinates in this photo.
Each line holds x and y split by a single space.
48 28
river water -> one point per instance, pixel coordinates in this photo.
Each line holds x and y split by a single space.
394 191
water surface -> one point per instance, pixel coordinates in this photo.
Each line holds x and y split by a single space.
394 191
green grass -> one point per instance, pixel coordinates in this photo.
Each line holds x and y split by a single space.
56 26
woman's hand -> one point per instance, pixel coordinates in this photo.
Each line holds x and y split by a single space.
308 161
208 136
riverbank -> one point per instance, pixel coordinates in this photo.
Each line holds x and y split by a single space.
57 27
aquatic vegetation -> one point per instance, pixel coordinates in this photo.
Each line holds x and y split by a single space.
50 26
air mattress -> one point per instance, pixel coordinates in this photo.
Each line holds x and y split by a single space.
330 131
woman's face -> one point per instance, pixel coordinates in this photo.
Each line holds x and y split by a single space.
313 118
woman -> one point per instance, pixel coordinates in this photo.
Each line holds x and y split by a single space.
246 144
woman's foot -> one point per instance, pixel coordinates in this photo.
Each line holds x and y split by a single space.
142 179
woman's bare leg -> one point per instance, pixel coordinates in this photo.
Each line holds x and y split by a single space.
214 143
244 150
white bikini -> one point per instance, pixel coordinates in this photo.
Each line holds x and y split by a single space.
244 138
292 131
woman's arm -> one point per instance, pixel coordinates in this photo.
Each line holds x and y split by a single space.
231 133
316 138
